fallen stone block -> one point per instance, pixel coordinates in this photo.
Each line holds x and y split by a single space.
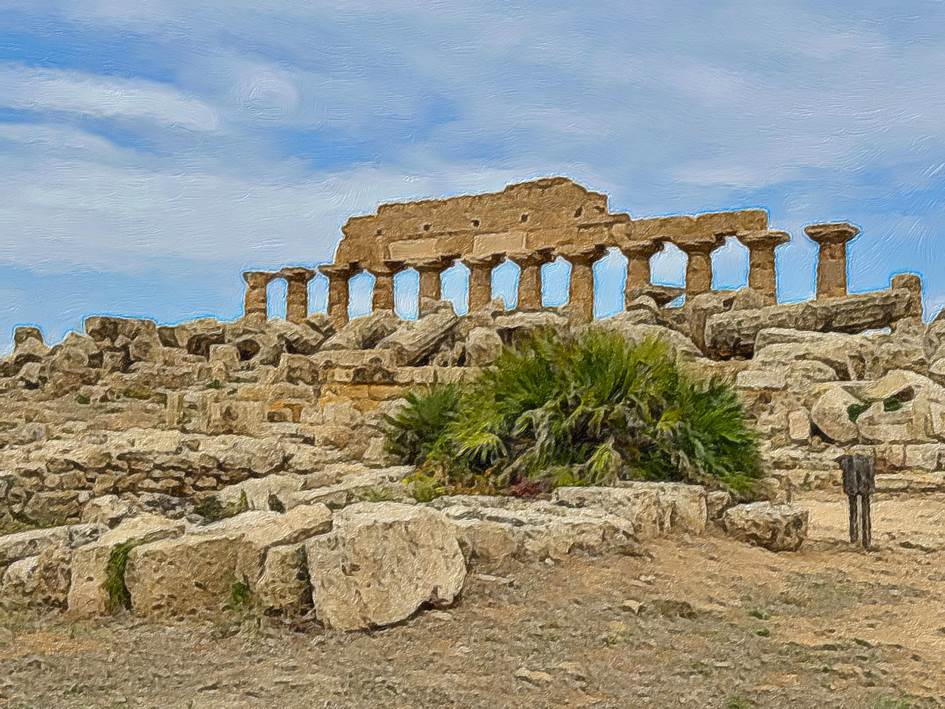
381 562
88 591
654 509
537 531
217 566
734 333
774 527
414 342
831 415
14 547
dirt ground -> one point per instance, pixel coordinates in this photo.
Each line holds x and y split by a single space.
722 624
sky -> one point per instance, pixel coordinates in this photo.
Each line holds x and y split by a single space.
151 150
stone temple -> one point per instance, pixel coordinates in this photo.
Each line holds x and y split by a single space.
531 224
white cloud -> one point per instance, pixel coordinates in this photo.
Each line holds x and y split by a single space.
49 90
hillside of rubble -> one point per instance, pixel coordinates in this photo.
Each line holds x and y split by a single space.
236 474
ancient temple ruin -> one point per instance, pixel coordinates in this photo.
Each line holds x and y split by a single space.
531 224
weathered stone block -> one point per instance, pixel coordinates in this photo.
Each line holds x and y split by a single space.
381 562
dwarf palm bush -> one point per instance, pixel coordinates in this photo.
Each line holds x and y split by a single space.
592 410
418 427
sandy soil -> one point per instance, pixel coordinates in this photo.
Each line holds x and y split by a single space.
721 624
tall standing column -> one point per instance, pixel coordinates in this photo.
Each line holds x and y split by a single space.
384 285
529 279
832 260
480 279
762 275
254 302
638 255
581 292
296 297
431 290
699 265
338 296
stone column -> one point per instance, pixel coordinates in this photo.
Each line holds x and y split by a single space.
296 297
383 298
581 292
529 279
762 275
699 265
832 260
638 255
254 302
337 293
480 279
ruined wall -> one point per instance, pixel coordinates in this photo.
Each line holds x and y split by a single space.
544 214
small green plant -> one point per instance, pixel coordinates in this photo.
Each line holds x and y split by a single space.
241 595
377 494
854 411
892 403
759 614
424 486
891 703
82 400
212 510
215 384
763 632
118 596
737 702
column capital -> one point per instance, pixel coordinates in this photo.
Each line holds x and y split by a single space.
700 245
644 248
582 254
764 238
489 260
434 263
337 269
296 273
387 268
831 233
258 278
533 258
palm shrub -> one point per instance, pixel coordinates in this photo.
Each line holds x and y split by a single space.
418 427
587 410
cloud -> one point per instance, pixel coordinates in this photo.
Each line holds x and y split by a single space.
50 90
274 122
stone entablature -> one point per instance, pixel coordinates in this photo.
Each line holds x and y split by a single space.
531 224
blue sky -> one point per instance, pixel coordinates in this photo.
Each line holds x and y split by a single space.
150 150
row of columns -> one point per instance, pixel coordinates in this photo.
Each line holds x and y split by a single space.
762 277
256 300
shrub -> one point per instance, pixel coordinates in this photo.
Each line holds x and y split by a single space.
560 411
414 431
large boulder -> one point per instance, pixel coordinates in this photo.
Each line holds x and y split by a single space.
491 530
414 342
363 333
32 542
734 332
831 415
214 566
636 333
774 527
381 562
483 347
653 509
88 592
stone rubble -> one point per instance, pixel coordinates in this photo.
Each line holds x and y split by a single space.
244 462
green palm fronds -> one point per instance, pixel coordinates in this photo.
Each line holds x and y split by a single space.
591 410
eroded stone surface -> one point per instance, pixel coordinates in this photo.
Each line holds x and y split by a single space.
381 562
